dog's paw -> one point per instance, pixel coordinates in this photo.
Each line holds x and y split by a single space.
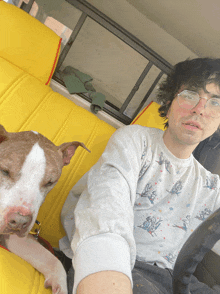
57 283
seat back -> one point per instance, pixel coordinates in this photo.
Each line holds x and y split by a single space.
27 43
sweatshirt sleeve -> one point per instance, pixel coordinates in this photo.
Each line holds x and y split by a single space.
104 217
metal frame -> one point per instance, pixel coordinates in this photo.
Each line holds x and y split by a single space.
71 40
154 59
122 34
27 7
136 86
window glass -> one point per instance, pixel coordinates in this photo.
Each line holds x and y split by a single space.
59 28
142 91
34 10
60 10
153 94
59 16
114 66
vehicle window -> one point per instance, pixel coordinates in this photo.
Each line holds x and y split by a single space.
59 28
34 9
119 70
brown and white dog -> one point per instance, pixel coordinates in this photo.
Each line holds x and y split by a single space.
30 166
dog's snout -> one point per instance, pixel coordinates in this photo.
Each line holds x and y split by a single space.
18 222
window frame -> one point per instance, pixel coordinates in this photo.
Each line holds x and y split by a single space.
154 59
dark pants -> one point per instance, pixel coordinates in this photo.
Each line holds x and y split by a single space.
151 279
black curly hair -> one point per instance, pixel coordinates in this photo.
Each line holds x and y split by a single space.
193 74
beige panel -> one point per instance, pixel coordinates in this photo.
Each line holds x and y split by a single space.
147 31
194 23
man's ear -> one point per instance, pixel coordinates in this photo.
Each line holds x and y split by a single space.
3 134
68 150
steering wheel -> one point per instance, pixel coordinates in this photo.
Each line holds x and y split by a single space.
193 251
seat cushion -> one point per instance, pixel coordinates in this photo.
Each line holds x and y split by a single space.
18 276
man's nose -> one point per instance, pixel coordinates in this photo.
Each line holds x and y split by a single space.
200 107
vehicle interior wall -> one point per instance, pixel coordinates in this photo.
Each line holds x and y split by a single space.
185 30
126 14
113 65
173 29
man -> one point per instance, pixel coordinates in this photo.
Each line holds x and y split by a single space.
147 193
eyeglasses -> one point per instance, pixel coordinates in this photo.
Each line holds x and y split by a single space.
189 99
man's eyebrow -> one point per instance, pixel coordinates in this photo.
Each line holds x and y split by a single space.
215 96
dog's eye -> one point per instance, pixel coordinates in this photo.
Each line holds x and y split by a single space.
50 183
5 172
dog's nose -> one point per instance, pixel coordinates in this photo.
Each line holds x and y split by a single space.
18 222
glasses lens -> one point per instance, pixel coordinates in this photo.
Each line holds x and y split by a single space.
188 99
213 107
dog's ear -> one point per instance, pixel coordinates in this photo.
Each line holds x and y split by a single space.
3 134
68 150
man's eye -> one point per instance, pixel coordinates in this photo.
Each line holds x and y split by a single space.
191 97
214 102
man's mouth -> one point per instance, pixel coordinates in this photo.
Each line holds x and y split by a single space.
191 125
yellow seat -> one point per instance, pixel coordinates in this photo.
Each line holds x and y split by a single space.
27 43
28 55
149 117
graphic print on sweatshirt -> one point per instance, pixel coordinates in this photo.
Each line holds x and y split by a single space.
185 223
204 214
176 189
162 161
145 151
151 225
143 170
211 183
171 258
145 162
149 193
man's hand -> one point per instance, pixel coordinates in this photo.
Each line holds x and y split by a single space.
106 282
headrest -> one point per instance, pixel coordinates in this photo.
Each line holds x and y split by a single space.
149 117
27 43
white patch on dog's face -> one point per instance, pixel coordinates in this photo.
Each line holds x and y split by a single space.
26 191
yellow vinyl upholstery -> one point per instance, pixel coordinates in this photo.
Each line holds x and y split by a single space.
149 117
30 45
28 55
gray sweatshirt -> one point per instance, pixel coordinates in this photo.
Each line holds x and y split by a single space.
141 202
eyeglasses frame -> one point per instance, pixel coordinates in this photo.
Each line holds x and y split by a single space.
198 100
